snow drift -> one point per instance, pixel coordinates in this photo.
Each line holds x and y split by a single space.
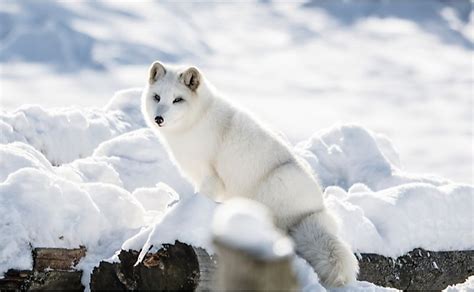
96 177
56 132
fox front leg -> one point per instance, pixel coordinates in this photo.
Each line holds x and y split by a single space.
213 186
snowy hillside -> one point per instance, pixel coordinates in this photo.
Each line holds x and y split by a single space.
399 67
107 165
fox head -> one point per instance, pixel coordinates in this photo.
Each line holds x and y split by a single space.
172 97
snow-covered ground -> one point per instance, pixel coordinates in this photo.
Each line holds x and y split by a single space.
75 163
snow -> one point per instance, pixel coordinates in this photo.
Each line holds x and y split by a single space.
467 286
188 220
344 155
140 161
158 198
56 132
395 220
338 78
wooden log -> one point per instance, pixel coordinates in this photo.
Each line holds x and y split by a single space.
61 259
56 280
53 269
174 267
418 270
14 280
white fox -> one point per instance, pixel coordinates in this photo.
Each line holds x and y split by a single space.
225 152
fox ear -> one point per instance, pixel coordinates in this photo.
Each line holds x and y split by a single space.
191 78
157 70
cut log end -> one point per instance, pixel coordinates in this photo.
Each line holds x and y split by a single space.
61 259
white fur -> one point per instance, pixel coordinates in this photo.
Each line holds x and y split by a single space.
225 153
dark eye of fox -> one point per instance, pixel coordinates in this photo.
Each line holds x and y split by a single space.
156 97
178 99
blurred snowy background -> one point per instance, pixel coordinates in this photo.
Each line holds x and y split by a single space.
402 68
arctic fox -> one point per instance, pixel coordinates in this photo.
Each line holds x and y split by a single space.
226 153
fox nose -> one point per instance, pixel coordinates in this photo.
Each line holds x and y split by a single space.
159 120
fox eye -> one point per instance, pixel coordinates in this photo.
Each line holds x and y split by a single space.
178 99
156 97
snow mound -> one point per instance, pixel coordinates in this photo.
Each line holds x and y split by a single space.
396 220
127 104
80 203
65 134
141 161
344 155
18 155
237 222
45 210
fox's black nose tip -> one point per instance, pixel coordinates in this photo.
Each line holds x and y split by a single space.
159 120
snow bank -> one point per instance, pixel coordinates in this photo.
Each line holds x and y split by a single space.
396 220
80 203
18 155
41 209
344 155
382 208
141 161
65 134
